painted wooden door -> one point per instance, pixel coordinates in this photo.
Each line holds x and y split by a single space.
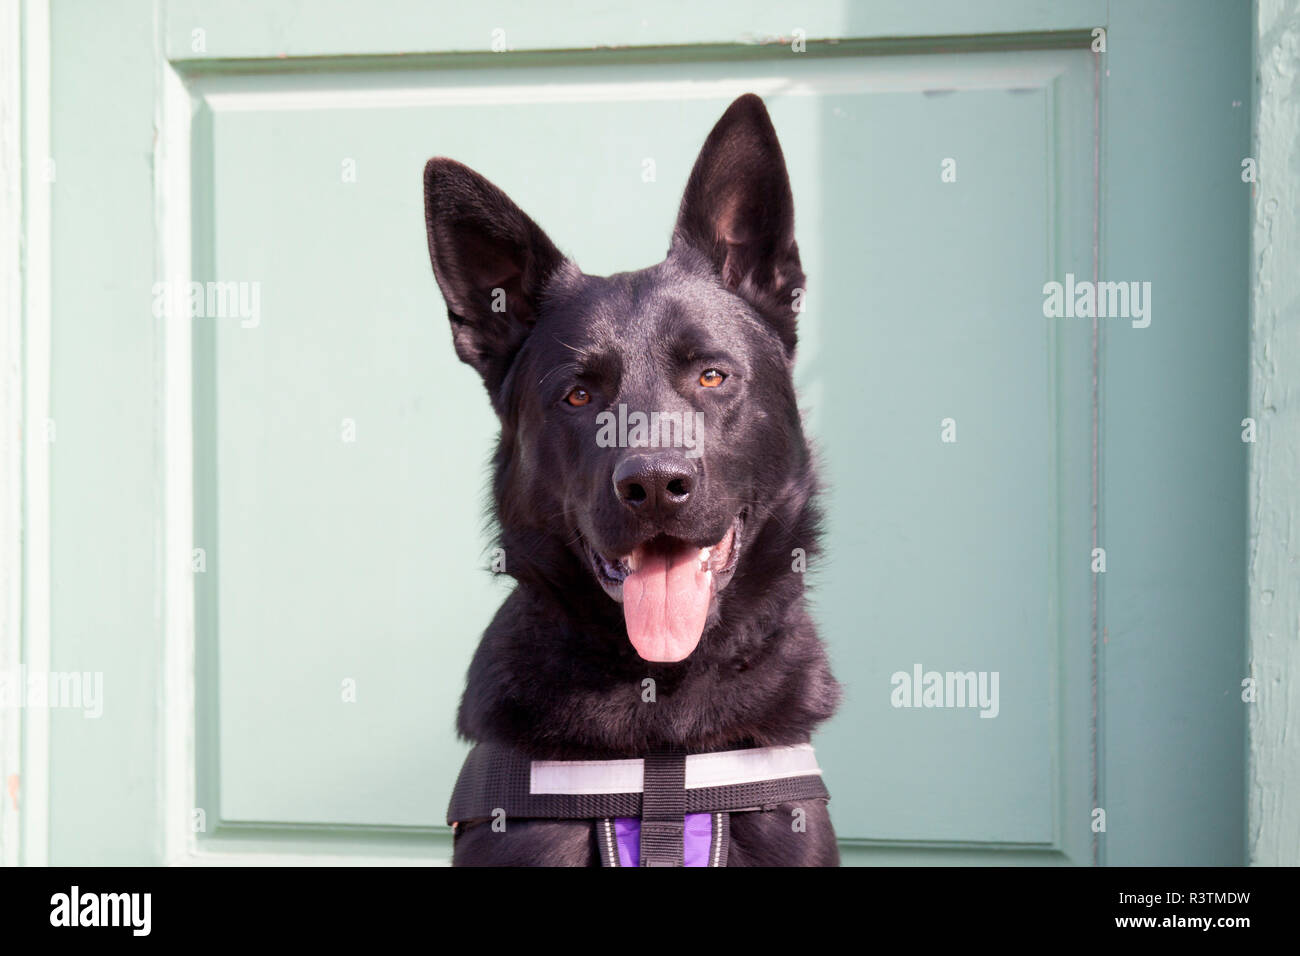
260 529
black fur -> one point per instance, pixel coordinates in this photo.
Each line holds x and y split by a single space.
556 674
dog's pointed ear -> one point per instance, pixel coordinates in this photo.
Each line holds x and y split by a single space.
738 212
492 264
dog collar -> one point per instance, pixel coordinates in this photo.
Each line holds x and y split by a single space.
664 809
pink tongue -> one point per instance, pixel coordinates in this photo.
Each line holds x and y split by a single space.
665 602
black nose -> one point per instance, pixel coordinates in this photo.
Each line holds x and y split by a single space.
654 486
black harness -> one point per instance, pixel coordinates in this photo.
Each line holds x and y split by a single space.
654 794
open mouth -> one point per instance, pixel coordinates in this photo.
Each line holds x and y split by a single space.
666 586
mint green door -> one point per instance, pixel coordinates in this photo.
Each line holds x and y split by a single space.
248 532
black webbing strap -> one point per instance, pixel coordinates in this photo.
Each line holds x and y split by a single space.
497 778
663 809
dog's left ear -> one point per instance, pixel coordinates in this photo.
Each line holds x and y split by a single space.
739 212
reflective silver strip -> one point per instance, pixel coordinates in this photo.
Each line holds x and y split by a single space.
723 769
611 845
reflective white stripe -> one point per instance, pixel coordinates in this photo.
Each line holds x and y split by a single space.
586 776
724 769
731 767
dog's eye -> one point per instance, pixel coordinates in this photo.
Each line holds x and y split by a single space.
578 397
711 378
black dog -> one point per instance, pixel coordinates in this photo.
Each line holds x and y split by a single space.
679 564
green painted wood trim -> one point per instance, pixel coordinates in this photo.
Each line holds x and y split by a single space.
1273 804
275 842
852 854
1176 97
251 28
105 800
379 68
11 407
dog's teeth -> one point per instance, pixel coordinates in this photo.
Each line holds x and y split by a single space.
630 561
705 554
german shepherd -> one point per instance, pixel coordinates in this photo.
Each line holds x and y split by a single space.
677 561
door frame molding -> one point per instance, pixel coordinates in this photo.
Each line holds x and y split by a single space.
25 425
10 407
1273 817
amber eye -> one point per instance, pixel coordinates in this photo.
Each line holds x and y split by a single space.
711 378
578 397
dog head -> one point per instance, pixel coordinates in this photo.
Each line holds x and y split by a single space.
650 430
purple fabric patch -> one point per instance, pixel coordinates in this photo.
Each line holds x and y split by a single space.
696 847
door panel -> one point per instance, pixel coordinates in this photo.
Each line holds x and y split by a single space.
948 555
319 580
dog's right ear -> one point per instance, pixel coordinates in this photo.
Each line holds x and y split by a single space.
492 264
